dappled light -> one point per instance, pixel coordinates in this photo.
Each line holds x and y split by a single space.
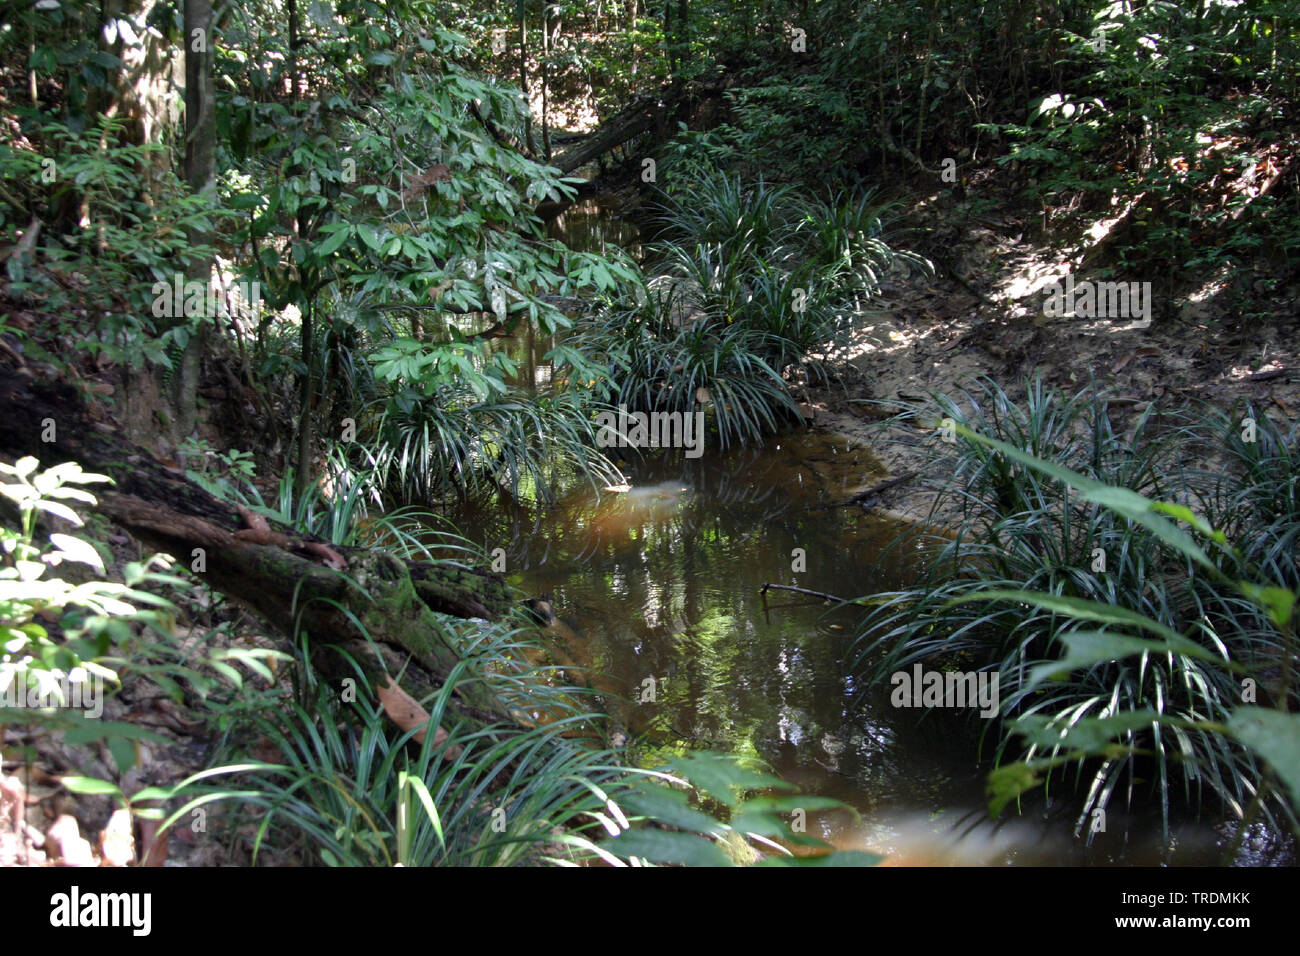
638 433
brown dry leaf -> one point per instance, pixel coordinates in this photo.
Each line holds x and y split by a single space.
264 536
251 518
327 555
405 711
420 181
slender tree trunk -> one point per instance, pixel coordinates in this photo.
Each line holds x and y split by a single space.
668 37
683 39
307 397
523 79
546 50
632 18
201 176
306 343
293 50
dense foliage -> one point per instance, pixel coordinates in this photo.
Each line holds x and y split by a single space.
334 210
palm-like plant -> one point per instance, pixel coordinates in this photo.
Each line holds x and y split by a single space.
757 282
1029 560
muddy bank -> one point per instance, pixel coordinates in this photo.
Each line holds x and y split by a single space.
982 315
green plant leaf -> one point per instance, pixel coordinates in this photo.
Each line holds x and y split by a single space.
90 786
1085 648
666 805
1123 501
1091 734
668 846
74 549
1275 736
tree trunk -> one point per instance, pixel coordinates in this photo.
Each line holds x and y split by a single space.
641 117
546 52
523 80
201 176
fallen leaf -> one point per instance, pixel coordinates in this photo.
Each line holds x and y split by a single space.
251 518
405 711
329 557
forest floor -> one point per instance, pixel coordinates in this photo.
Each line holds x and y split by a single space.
939 334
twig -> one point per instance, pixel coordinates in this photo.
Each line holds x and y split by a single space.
874 491
789 587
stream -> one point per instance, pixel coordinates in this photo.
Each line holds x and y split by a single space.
658 590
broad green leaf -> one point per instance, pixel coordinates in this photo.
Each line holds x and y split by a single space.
61 510
370 236
764 823
1007 783
720 776
89 786
123 751
1275 736
666 805
74 549
153 793
1279 602
336 239
88 730
668 846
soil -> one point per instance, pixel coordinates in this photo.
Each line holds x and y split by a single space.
985 318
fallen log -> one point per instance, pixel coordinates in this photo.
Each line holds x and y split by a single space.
643 115
376 597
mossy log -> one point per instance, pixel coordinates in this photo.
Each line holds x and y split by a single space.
377 597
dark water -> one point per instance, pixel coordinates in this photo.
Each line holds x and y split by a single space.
593 225
659 589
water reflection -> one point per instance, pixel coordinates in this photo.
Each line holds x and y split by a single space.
659 588
594 225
